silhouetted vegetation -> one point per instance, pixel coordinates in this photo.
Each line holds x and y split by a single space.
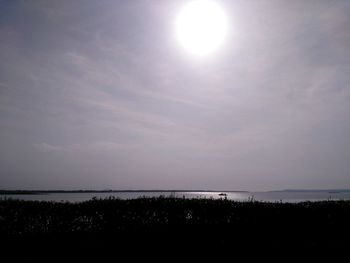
102 226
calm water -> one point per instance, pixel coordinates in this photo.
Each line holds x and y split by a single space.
284 196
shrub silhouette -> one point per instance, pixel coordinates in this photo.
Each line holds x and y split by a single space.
176 222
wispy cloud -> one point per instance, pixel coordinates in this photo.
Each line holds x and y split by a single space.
47 148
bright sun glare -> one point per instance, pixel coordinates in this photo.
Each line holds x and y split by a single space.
201 27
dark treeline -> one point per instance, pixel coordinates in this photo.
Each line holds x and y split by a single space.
100 227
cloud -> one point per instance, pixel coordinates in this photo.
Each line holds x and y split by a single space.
87 86
92 147
48 148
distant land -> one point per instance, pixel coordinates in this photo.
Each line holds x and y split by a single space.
34 192
38 192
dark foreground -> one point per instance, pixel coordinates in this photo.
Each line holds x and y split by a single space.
153 227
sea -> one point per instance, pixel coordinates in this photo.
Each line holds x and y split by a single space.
288 196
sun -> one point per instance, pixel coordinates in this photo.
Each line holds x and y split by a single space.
201 27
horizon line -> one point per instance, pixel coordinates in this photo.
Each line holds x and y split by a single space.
168 190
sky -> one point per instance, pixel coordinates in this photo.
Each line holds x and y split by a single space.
100 95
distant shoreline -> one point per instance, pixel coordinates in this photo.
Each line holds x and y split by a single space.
41 192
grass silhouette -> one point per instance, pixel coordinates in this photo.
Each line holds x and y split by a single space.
111 225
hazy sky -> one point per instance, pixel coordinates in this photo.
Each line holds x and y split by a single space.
99 94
